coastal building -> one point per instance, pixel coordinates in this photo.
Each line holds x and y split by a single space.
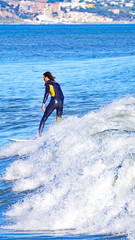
13 3
113 3
56 8
70 17
129 4
115 10
32 7
90 5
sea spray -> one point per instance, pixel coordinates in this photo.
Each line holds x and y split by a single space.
78 175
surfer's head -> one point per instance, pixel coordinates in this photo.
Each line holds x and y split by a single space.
49 76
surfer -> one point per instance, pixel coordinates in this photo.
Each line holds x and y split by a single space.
56 102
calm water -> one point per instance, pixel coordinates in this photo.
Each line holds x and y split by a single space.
77 181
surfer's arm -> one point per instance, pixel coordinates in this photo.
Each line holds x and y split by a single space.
46 94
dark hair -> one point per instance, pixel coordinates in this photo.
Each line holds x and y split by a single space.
49 75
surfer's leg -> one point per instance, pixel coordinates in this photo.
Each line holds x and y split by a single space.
47 113
59 112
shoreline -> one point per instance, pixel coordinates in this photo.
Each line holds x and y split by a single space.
12 22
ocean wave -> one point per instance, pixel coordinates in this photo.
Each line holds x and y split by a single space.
79 174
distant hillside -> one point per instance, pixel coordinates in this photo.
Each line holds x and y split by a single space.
14 11
11 11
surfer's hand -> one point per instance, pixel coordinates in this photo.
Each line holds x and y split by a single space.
43 107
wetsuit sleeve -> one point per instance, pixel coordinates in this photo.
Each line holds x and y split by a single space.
46 93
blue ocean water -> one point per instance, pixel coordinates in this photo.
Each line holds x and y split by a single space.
77 180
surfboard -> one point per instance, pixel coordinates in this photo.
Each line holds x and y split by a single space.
17 140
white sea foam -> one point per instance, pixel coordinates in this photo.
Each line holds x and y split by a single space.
81 172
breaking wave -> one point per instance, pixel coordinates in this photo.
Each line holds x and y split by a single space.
78 175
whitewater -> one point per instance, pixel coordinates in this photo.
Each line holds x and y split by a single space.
79 174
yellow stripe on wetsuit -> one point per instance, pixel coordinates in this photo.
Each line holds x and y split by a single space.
51 91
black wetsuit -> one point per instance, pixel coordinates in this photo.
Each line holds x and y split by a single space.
56 102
